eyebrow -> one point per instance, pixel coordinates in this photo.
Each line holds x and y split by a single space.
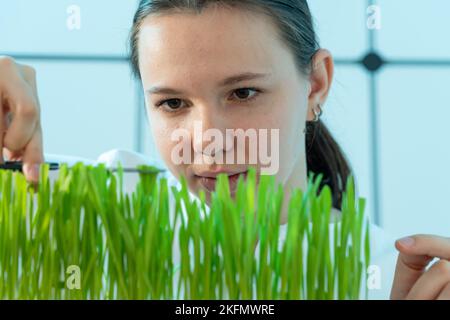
226 82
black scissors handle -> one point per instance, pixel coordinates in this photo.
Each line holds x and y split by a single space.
18 165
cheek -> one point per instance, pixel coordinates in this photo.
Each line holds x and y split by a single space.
162 132
288 114
165 134
290 120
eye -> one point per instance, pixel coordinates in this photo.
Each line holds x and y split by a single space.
171 105
245 94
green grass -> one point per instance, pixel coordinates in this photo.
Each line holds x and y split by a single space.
123 243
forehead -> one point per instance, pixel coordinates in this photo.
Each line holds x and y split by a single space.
219 39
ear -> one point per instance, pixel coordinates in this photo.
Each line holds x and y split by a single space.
321 78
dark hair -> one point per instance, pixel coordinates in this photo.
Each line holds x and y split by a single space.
294 21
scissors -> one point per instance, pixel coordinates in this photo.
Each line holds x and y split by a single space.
18 166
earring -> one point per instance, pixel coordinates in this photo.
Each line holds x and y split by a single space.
317 114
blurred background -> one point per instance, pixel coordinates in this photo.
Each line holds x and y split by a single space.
389 106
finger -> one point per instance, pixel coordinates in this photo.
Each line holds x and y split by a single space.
9 155
405 276
23 107
432 282
416 252
29 74
33 156
419 246
6 155
445 294
23 125
2 129
4 123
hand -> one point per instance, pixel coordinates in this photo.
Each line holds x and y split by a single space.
20 123
412 279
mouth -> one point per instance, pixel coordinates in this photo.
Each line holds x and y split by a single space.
209 182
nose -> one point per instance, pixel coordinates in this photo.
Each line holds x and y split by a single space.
210 134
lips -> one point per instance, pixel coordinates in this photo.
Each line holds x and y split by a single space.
209 181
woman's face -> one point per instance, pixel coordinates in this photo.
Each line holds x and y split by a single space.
222 69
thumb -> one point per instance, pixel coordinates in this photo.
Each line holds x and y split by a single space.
33 157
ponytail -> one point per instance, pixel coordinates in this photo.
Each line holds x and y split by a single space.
324 156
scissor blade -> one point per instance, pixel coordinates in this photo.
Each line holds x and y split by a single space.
136 170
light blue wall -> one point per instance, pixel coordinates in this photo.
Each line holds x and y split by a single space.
90 107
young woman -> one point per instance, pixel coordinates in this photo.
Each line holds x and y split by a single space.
248 64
